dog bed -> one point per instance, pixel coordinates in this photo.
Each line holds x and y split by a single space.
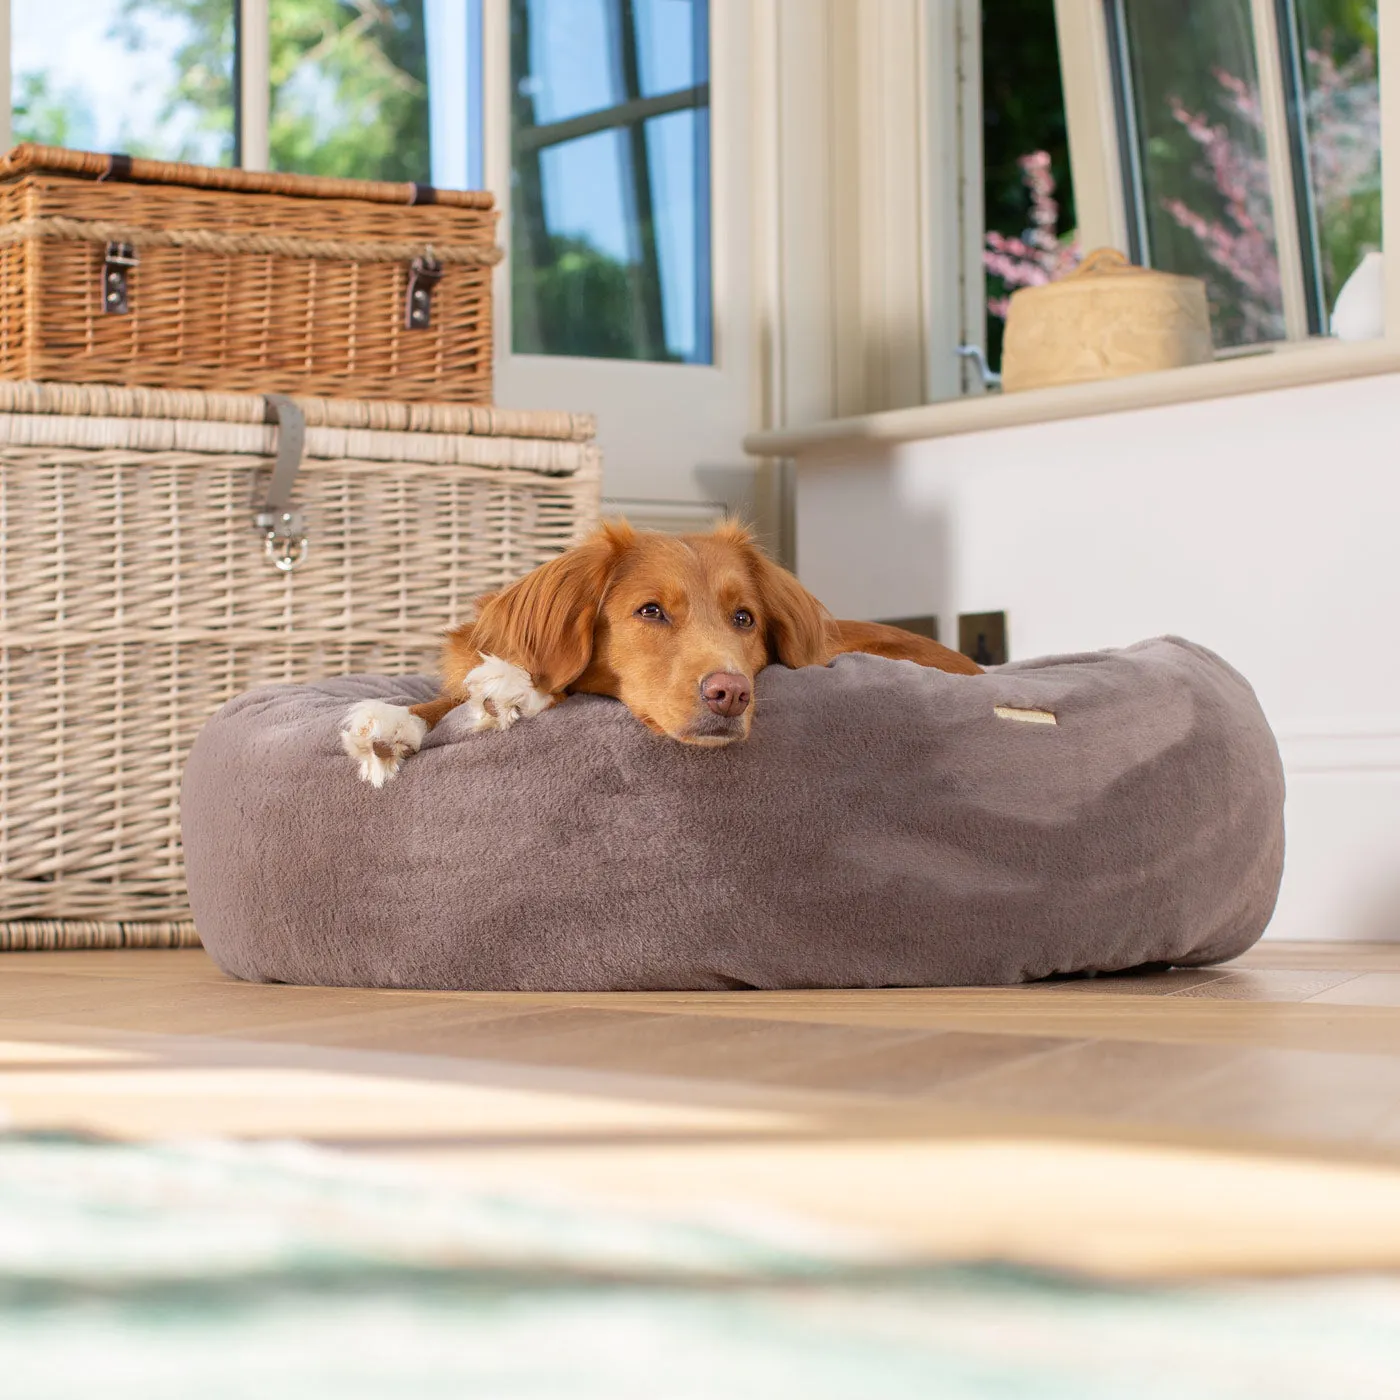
885 825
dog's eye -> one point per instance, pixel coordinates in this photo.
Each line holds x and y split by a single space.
743 618
651 611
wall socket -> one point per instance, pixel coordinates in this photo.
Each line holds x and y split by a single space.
982 636
922 626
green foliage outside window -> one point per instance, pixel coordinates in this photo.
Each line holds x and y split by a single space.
40 114
348 77
583 297
349 88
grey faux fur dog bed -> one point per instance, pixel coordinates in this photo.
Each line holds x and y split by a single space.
884 826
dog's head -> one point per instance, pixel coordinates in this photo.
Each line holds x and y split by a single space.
677 628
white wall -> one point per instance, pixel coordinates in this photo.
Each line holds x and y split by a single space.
1266 527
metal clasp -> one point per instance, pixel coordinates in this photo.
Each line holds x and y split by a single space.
116 267
284 540
423 276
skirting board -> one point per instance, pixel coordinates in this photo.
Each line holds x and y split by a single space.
1341 876
1354 746
670 517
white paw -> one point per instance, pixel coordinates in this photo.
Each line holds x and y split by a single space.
379 736
499 693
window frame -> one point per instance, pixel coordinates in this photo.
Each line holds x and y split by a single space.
1388 68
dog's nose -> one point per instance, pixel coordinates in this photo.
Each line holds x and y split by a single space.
725 693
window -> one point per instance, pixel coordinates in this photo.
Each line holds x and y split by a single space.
370 89
148 77
1200 197
349 89
1336 112
375 89
1250 141
1028 193
1233 140
610 151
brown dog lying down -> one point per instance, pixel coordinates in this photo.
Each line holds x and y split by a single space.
676 627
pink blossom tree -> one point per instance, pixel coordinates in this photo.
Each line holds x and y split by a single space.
1342 121
1042 254
1344 157
1233 219
1240 240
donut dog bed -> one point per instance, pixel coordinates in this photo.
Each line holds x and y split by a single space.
884 825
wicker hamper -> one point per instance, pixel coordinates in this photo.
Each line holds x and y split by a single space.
122 271
136 595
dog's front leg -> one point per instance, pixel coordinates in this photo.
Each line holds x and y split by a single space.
379 735
498 693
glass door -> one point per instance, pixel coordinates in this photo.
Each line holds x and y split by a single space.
614 142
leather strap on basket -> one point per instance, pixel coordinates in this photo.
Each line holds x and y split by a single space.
282 527
118 168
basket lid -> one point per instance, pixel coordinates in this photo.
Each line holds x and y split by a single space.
29 159
380 415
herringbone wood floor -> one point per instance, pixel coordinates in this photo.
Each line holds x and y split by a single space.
1242 1117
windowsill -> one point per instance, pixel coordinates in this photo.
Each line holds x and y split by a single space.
1285 367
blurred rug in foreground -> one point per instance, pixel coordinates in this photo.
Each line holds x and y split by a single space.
230 1270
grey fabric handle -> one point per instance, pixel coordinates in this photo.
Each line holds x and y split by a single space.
291 442
282 527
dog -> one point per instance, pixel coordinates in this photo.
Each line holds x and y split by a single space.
676 627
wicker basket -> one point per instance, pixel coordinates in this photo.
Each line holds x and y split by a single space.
136 597
122 271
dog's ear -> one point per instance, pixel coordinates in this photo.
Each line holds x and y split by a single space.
544 623
795 622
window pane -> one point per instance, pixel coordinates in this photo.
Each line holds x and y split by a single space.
557 78
147 77
1341 133
1204 205
377 89
671 51
1028 198
611 184
349 89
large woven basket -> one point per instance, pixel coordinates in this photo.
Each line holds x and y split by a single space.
136 596
122 271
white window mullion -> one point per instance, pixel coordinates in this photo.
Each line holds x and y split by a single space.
1273 105
1091 122
954 212
6 134
496 153
890 175
254 84
1388 65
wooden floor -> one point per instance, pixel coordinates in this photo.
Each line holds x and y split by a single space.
1237 1118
